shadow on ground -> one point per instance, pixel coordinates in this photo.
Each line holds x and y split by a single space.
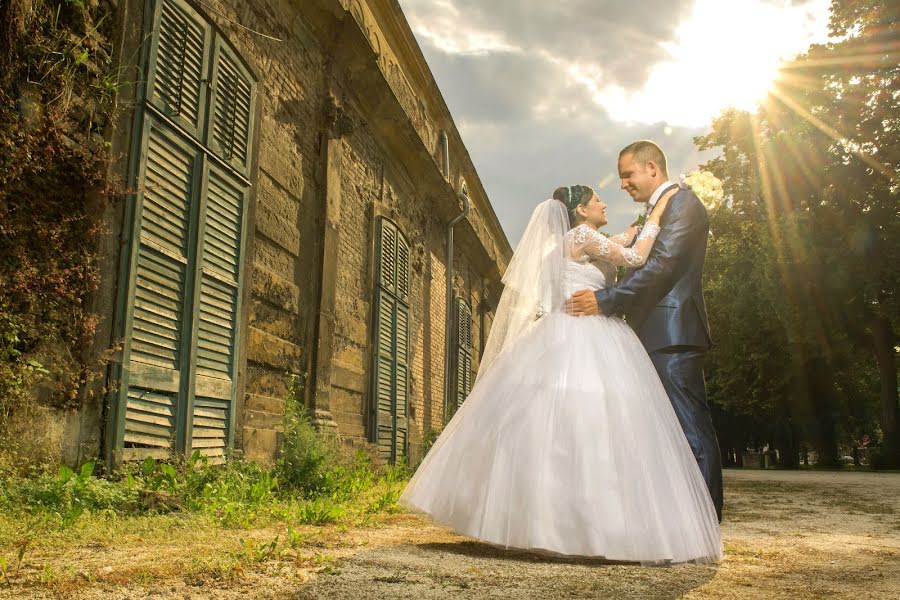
481 550
469 569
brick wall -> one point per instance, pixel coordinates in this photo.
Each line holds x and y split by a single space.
286 244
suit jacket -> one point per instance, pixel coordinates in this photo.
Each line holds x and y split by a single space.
663 300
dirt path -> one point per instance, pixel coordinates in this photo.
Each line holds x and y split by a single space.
787 535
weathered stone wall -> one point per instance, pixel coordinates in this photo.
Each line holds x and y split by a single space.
297 79
340 143
286 238
376 183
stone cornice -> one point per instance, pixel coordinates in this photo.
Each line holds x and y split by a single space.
404 67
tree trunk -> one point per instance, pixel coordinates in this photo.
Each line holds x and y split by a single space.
884 340
820 384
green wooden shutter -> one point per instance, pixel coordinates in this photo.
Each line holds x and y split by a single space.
233 99
463 351
179 65
384 375
401 344
387 257
181 313
216 323
390 380
161 283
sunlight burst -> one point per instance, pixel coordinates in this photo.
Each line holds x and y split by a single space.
725 54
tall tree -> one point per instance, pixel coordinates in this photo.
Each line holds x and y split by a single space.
813 177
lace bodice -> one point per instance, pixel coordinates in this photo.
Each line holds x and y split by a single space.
592 258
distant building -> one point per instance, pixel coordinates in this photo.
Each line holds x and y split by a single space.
290 222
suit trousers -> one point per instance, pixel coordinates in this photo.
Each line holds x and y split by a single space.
681 370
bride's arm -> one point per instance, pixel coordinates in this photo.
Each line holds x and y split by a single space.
599 247
626 237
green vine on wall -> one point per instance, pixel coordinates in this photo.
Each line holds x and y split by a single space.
56 93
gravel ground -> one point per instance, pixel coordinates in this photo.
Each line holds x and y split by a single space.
787 535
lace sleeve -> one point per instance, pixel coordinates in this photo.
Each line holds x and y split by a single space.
596 246
626 237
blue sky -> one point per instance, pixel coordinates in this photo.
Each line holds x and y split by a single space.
546 93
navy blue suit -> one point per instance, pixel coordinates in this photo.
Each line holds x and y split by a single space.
663 303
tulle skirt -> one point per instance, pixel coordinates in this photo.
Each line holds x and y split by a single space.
568 445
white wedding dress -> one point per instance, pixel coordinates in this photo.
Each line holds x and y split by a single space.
568 444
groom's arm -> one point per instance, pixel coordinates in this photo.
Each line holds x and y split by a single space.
686 222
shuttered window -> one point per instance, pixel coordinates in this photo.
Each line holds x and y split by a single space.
463 357
390 379
188 229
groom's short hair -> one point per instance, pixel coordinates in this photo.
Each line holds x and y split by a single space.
645 151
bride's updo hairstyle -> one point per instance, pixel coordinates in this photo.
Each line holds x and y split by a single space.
572 196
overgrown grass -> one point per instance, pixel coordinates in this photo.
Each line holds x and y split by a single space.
232 516
331 484
316 482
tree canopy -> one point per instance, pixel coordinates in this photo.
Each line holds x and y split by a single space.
803 266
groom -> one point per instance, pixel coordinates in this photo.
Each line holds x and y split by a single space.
663 302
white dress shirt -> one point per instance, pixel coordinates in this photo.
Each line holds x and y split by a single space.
654 198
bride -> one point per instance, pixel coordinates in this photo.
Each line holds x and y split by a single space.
567 443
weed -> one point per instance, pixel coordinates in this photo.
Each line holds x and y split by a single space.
226 569
257 552
318 511
429 437
295 539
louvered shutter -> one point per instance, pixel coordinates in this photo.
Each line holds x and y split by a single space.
463 351
387 256
384 375
216 314
402 269
232 105
181 317
179 65
401 355
390 381
161 280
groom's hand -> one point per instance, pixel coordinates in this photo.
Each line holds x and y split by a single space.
583 304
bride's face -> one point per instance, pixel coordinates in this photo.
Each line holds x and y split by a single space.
594 212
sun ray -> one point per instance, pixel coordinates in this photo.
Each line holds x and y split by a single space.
845 141
767 193
737 73
802 161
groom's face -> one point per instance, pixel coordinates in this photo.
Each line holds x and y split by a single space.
637 179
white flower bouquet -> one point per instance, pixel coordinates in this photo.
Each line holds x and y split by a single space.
707 186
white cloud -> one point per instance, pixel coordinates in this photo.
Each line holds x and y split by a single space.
450 33
719 59
546 93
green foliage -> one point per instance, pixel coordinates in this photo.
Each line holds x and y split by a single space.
304 454
52 182
316 464
802 270
234 495
66 495
395 479
18 373
429 437
255 551
318 511
317 480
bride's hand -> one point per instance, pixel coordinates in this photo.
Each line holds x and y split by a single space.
660 208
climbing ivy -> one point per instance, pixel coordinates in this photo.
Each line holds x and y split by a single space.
56 92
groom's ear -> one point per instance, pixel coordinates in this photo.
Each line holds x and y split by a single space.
651 166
